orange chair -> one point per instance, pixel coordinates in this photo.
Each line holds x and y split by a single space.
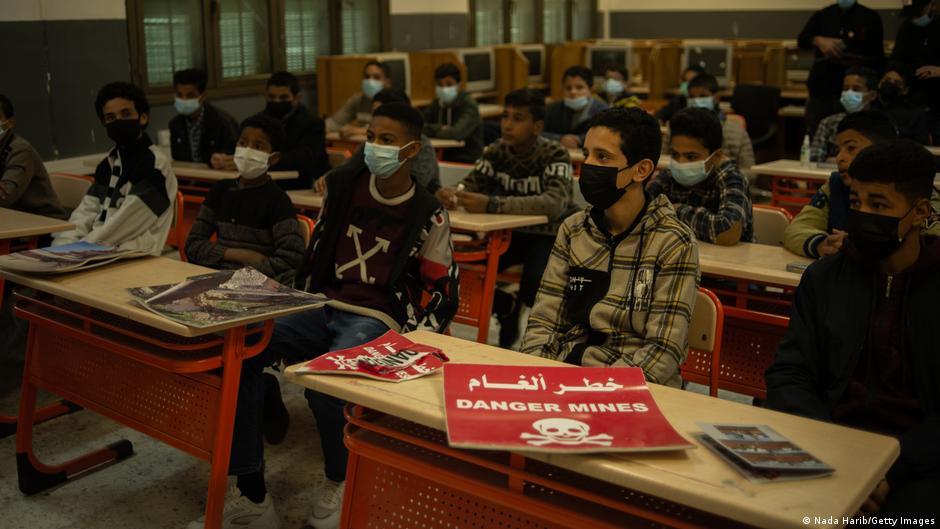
337 156
769 224
750 344
702 365
177 236
306 228
792 193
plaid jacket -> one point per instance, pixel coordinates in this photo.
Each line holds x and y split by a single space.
623 301
712 206
824 142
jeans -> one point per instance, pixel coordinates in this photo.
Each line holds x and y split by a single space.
299 337
532 251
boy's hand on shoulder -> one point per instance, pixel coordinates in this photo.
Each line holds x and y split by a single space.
570 141
473 202
831 244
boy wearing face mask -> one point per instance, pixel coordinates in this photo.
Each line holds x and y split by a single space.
615 91
380 244
917 51
129 203
895 101
353 117
454 115
621 280
305 144
859 90
861 347
566 120
253 219
680 101
706 188
200 132
736 144
24 182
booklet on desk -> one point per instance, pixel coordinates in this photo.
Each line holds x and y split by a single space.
390 357
761 454
222 297
66 258
554 409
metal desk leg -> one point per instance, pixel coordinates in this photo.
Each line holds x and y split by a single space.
496 246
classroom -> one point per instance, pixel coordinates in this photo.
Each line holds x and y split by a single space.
446 264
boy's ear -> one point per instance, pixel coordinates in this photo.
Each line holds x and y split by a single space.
922 211
644 170
144 119
538 127
274 158
412 150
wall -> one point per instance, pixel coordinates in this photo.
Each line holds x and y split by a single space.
422 24
722 19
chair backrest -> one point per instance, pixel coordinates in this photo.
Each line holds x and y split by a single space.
703 363
749 348
337 157
177 235
758 105
739 118
306 228
770 222
453 173
69 188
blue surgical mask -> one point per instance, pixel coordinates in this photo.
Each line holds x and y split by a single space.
578 103
690 173
684 88
186 107
922 21
446 94
613 87
852 101
382 160
845 4
3 127
370 87
702 102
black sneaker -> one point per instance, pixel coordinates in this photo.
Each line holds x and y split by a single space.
276 418
509 325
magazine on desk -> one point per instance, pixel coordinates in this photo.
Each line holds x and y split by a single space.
222 297
390 357
66 258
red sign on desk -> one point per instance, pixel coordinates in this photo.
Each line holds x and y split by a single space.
554 409
390 357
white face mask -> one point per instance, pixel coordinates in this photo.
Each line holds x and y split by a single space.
3 127
251 163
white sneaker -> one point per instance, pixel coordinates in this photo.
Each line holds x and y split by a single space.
241 513
326 507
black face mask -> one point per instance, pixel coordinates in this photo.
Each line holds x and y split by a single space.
889 92
599 185
874 236
278 109
124 132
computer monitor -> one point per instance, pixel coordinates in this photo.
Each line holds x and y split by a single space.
797 64
535 54
601 55
399 68
481 68
713 56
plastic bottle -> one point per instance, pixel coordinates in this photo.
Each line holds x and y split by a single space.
804 152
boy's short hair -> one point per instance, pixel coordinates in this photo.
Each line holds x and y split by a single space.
706 81
579 71
869 75
528 98
272 128
391 95
695 68
874 125
191 76
386 71
405 114
6 106
284 79
619 68
699 123
904 163
640 137
120 89
448 69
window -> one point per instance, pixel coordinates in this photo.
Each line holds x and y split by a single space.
522 21
583 15
173 37
488 22
243 37
361 27
554 21
306 33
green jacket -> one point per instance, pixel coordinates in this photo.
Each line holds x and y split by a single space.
459 121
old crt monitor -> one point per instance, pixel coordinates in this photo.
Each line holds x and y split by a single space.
535 54
399 67
713 56
481 68
603 54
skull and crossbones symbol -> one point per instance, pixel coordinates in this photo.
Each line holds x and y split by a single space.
564 431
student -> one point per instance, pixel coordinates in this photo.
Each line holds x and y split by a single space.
861 346
566 120
704 93
895 101
859 90
680 101
708 191
129 204
917 51
454 115
380 243
522 173
615 90
24 182
200 132
353 117
253 219
844 35
424 168
305 147
621 280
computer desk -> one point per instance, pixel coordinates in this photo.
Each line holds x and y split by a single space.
401 467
